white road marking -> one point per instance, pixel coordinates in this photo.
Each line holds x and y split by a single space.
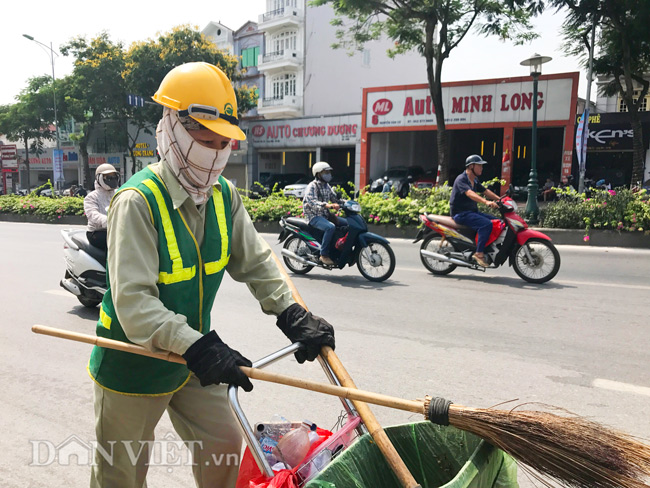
605 284
618 386
60 292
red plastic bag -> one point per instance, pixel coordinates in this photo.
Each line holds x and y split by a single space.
250 475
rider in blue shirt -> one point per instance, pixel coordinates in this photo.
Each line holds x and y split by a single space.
464 208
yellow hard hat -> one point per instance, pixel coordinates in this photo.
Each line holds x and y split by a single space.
203 92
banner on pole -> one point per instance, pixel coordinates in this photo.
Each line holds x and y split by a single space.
582 136
58 165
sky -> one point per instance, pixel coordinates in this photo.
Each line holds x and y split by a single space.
57 22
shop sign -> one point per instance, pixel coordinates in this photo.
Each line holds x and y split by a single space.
471 104
9 156
71 159
143 150
308 132
610 138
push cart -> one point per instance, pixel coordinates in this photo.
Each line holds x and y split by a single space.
436 456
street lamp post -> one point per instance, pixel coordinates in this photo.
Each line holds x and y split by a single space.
52 52
532 210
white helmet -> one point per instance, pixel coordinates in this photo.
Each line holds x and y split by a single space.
107 176
320 166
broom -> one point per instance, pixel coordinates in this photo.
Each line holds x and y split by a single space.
574 451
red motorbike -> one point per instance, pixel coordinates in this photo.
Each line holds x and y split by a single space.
447 245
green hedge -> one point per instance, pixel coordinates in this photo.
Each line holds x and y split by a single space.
50 208
618 209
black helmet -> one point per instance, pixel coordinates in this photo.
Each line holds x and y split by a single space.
474 159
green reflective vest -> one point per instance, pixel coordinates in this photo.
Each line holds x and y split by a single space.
188 280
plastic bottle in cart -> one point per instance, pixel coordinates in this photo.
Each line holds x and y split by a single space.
270 433
293 446
313 435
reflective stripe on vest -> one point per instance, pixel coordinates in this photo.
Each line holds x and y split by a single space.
219 210
178 273
104 318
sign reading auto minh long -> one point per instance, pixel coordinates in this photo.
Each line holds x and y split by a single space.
471 104
343 130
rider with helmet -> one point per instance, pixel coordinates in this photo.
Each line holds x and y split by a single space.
174 228
96 203
463 204
316 204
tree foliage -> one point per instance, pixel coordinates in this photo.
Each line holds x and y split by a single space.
29 119
622 52
95 90
433 28
147 63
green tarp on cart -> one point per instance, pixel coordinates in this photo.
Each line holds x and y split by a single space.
436 457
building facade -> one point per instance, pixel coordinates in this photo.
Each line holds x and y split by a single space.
492 118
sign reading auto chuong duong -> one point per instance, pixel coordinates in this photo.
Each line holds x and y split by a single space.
343 130
476 103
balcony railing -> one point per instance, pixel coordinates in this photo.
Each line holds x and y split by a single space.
269 57
284 55
284 12
273 101
273 14
286 101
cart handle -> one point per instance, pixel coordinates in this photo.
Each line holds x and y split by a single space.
245 426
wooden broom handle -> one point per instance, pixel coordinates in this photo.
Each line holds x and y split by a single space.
369 419
415 406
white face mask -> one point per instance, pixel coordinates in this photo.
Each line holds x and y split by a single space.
197 167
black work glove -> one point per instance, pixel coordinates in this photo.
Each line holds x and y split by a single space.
313 332
213 362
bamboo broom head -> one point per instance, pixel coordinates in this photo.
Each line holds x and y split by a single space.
571 449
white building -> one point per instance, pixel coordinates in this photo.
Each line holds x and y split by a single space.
311 94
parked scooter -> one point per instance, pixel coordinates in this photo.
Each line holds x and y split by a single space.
353 244
85 274
447 245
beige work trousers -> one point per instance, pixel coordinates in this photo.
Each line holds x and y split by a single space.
124 425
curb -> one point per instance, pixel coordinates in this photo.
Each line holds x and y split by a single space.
38 219
597 237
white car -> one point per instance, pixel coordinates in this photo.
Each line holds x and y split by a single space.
297 189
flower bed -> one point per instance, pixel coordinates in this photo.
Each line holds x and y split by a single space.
46 207
620 210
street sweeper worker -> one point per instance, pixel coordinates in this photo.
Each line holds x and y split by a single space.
318 200
463 204
96 203
174 228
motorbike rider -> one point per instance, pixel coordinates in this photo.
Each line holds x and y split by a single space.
463 204
174 228
316 204
96 203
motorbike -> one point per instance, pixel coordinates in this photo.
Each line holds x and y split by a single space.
447 245
85 273
353 244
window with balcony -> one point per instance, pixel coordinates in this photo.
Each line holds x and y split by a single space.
249 56
284 41
279 4
283 85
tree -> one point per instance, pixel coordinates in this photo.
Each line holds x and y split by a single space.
623 53
95 90
29 119
147 63
434 28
